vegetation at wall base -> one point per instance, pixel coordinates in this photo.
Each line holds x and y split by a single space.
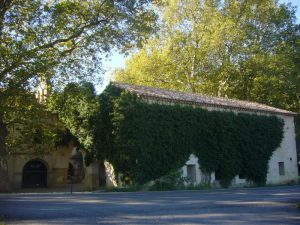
134 188
146 141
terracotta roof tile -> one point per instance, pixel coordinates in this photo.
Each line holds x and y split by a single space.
189 98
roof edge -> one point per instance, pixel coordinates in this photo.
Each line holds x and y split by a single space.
188 102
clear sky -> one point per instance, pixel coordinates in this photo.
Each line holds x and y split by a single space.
117 60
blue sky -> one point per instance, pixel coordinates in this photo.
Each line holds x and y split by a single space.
117 60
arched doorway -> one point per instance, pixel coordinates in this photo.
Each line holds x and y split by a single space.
34 174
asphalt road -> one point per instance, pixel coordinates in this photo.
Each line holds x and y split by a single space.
274 205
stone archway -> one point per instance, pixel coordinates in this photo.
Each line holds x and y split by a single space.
34 174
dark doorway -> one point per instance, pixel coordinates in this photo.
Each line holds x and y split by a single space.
34 175
70 173
76 168
102 174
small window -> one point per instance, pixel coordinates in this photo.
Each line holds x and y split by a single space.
191 172
281 168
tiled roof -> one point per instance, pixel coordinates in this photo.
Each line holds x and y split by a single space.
188 98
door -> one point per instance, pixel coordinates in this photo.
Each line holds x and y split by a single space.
34 175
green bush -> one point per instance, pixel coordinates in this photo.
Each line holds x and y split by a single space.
162 186
198 187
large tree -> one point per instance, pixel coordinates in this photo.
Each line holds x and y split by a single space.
245 49
58 41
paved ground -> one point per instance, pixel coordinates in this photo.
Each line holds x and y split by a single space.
274 205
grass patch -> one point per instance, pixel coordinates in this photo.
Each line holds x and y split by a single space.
2 220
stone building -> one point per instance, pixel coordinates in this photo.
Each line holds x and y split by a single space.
283 167
56 168
28 170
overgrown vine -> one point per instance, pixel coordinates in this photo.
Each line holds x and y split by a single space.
147 141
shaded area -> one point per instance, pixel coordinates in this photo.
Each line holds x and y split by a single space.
235 206
34 174
76 168
102 174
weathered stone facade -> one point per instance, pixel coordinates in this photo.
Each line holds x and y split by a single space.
55 162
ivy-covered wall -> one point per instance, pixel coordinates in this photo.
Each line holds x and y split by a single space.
147 141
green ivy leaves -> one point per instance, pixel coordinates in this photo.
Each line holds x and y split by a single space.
151 140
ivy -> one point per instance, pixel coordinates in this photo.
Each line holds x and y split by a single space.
147 141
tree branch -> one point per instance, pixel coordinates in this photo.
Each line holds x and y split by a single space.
52 44
4 7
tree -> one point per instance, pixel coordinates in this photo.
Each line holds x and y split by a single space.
77 108
239 49
61 41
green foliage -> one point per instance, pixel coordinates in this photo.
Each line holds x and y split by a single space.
124 189
64 138
104 129
66 40
77 108
147 141
198 187
162 186
28 123
172 181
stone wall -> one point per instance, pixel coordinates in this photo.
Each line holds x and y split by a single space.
56 162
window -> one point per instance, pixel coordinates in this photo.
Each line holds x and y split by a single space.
191 172
281 168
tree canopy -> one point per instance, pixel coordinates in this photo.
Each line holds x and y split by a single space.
66 39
